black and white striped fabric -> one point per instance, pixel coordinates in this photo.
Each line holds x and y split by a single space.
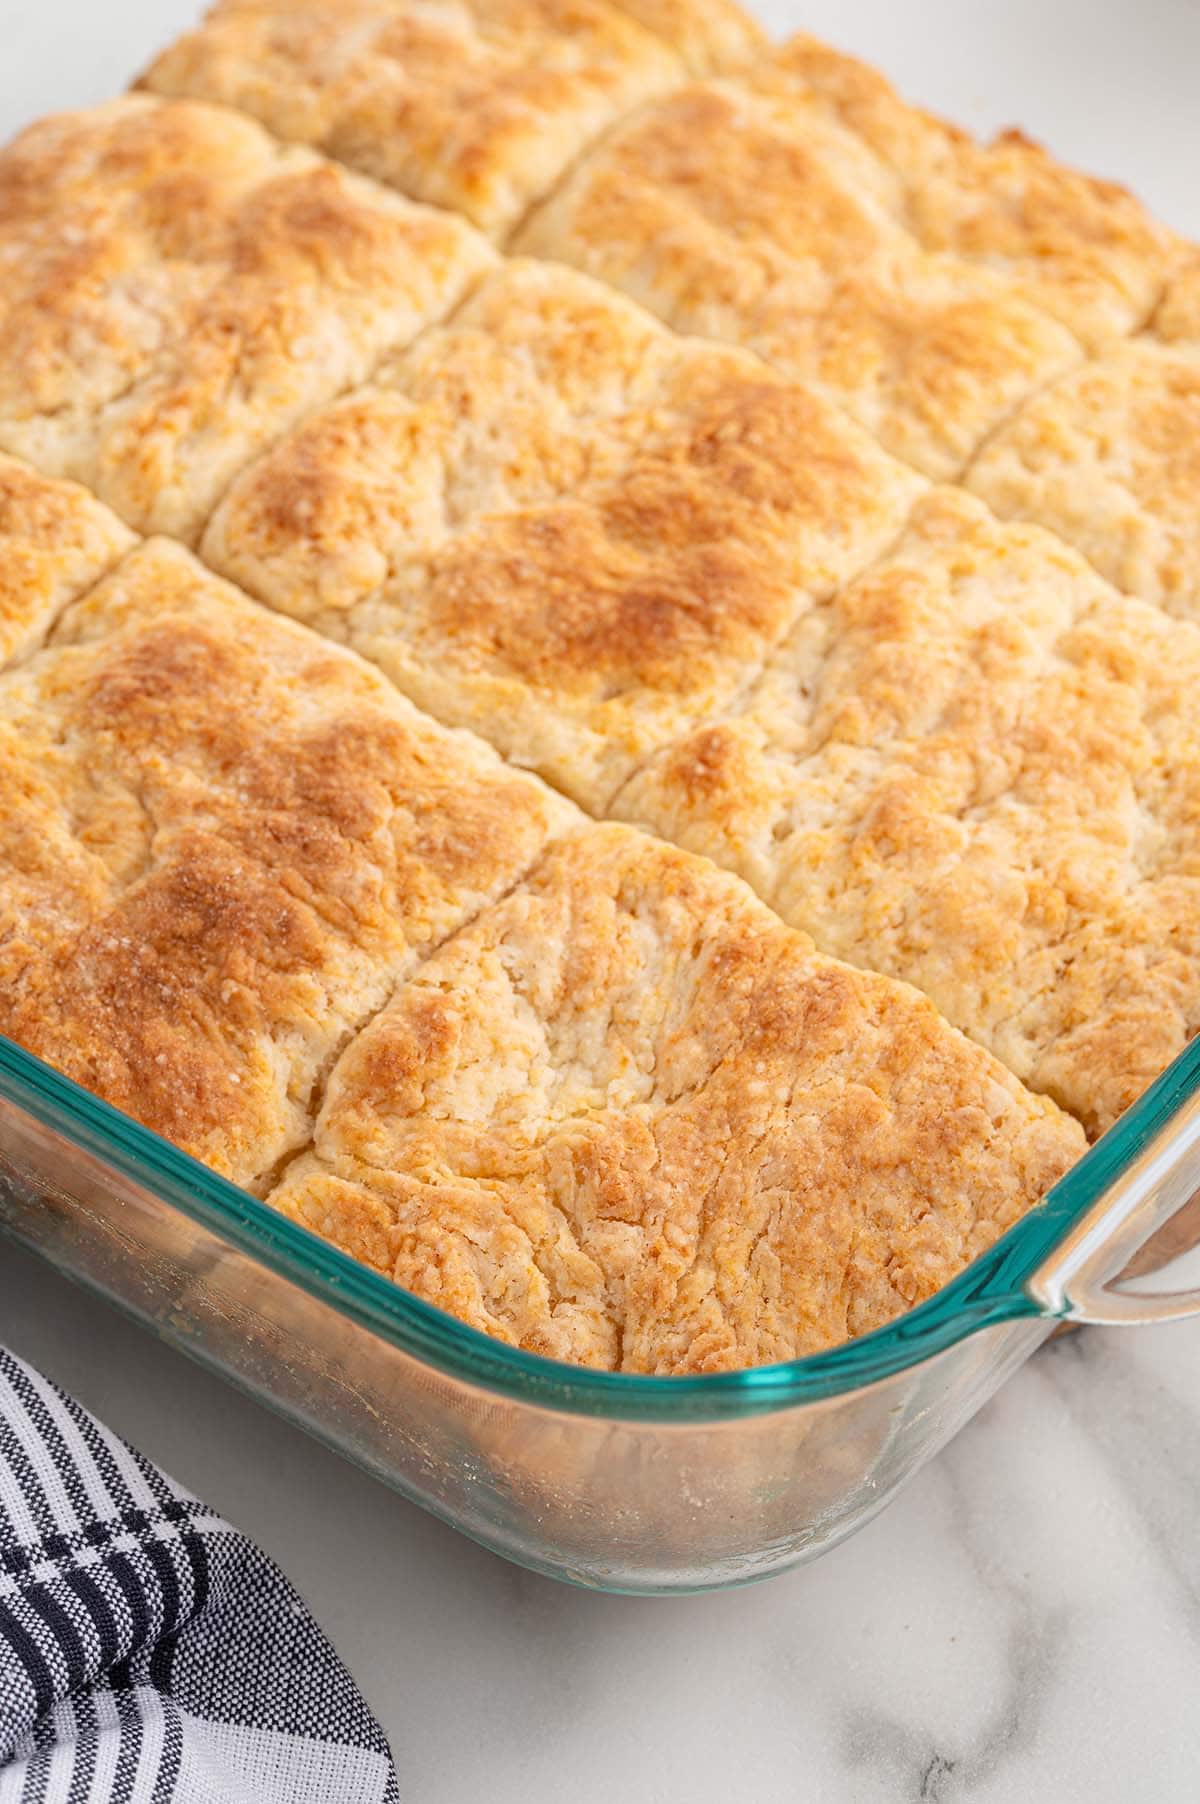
150 1654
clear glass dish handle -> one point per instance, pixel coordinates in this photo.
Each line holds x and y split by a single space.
1077 1281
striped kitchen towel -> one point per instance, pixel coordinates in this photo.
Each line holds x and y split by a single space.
149 1653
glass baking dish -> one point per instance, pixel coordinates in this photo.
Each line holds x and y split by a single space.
621 1482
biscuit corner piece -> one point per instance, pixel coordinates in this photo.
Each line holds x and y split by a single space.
977 769
222 840
628 1119
176 289
477 107
56 540
1081 248
561 525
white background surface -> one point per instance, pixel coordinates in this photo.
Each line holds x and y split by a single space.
1025 1622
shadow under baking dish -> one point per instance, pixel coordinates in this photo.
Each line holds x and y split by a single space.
611 1480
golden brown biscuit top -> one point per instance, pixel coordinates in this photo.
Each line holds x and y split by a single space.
478 107
734 214
1109 458
175 289
222 839
557 523
977 768
1084 249
55 541
628 1119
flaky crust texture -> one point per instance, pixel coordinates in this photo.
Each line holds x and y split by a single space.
791 240
176 289
478 107
1109 459
977 769
1084 250
55 542
221 841
557 523
628 1119
930 283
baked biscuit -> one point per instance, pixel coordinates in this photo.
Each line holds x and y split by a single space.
222 839
978 769
1083 249
559 524
478 107
176 289
55 542
1109 458
629 1119
732 213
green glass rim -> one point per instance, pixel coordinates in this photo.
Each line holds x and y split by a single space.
988 1292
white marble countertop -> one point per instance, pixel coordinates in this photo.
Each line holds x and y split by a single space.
1025 1621
1022 1624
